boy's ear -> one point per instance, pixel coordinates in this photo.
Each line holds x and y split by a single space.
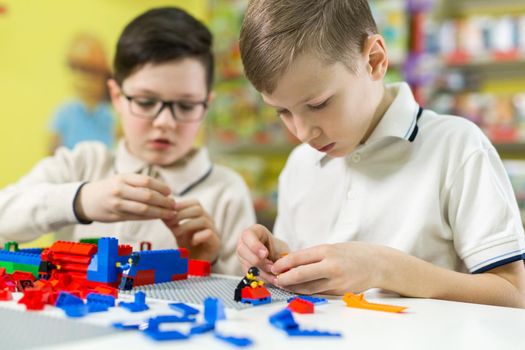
211 97
375 50
114 94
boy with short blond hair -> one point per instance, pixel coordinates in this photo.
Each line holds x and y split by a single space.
382 193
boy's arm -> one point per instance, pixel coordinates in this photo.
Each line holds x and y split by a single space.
357 266
410 276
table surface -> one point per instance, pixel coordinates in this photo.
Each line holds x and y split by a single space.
426 324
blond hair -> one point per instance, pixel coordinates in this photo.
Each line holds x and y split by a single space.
275 32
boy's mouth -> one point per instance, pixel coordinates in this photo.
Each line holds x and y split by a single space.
160 143
326 148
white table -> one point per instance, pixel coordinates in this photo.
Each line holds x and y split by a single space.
426 324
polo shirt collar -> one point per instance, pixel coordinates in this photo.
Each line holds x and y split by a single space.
181 177
399 120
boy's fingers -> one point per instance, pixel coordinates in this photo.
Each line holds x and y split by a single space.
298 258
147 196
250 239
192 225
134 210
202 237
312 287
138 180
247 254
186 204
301 275
193 211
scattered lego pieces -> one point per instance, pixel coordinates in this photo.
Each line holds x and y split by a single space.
184 309
138 305
213 310
285 321
313 300
301 306
154 332
237 341
358 301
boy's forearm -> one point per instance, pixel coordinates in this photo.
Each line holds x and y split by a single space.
413 277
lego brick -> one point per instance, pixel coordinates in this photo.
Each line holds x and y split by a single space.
199 267
236 341
301 306
213 310
358 301
138 305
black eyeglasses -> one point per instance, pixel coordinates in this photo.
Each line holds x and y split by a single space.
150 108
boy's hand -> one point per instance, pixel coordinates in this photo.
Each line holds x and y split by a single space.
195 230
330 269
257 247
125 197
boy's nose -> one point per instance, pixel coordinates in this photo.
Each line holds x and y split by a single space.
304 131
165 119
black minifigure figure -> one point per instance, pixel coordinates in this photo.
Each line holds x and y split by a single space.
249 280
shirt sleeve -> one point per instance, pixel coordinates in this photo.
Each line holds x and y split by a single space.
42 201
484 214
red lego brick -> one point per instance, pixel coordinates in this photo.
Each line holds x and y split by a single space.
259 292
301 306
199 268
2 271
144 277
184 254
124 250
5 295
22 275
180 276
32 299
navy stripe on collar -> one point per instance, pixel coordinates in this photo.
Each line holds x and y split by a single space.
197 182
412 136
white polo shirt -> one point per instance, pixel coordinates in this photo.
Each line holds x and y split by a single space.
42 201
433 187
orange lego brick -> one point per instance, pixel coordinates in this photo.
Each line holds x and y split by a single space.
358 301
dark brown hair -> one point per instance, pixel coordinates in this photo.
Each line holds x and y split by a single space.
160 35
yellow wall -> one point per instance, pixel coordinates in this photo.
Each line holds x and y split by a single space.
34 36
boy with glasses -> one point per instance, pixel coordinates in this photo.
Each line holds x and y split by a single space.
156 186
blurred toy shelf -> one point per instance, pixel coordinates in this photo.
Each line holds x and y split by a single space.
480 46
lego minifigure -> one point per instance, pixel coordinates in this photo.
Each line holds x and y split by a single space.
126 282
253 288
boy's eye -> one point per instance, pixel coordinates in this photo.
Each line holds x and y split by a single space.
282 112
146 103
318 106
186 106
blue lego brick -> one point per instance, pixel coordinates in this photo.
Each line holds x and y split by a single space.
213 310
153 329
311 333
97 298
35 251
102 267
237 341
97 307
20 257
202 328
78 310
256 302
64 299
283 320
184 309
127 325
138 305
166 263
313 300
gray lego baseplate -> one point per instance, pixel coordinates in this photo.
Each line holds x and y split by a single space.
195 289
25 330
